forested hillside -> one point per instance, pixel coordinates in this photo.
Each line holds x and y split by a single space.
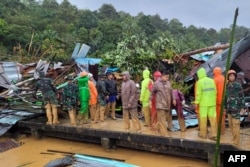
31 30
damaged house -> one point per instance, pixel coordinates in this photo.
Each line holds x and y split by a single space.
240 62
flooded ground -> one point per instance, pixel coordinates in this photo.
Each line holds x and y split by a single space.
33 153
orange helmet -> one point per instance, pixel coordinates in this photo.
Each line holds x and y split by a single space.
83 74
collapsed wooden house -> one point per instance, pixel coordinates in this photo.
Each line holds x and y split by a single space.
240 61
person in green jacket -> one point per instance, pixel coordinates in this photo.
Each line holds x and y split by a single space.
205 98
84 96
234 105
145 96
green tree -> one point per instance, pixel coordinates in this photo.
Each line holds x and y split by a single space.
145 24
107 11
3 27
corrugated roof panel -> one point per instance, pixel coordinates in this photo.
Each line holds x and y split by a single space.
220 60
83 160
7 145
11 70
9 118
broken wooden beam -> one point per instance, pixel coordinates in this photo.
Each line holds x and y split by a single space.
211 48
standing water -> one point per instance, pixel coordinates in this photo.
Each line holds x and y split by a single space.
33 152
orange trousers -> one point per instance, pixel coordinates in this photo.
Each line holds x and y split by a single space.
223 126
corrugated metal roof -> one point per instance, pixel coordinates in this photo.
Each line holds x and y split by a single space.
83 160
80 52
9 118
7 145
220 60
11 70
205 56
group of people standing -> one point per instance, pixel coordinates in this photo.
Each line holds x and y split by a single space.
95 98
208 101
157 97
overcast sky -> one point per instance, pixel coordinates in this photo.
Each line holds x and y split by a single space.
201 13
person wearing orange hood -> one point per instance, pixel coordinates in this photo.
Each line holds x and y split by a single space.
93 97
219 82
156 75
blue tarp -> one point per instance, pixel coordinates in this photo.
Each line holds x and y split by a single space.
82 160
205 56
112 69
90 61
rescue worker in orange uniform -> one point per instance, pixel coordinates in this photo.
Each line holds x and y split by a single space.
153 124
93 98
219 83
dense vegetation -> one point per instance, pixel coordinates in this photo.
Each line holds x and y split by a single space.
31 30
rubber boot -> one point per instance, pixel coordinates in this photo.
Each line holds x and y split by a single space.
236 131
79 118
48 114
92 111
72 116
102 112
107 111
223 126
55 114
203 127
199 121
198 117
182 124
161 123
113 110
146 113
230 122
169 119
97 113
213 126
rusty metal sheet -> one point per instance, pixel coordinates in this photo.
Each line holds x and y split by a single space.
7 145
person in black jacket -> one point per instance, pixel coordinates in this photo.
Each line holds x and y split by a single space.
111 88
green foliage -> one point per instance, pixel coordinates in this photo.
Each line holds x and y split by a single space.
183 87
129 42
3 27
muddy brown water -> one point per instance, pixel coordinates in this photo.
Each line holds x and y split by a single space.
33 153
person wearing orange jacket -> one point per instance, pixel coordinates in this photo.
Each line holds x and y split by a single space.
153 124
219 82
93 98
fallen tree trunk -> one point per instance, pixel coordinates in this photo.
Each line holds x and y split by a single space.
184 56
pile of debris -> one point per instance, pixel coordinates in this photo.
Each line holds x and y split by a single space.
17 81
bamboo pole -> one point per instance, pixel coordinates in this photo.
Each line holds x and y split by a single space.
71 153
217 147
